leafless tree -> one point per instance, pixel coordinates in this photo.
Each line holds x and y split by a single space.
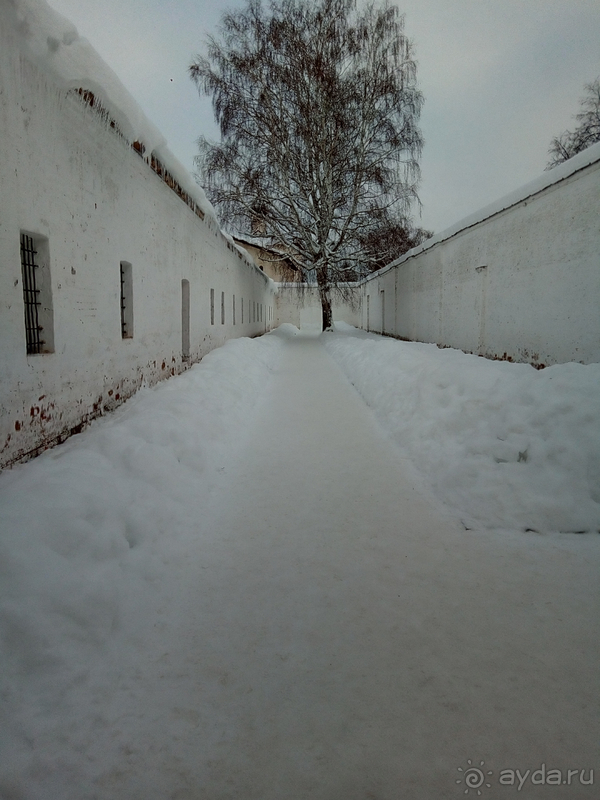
585 134
318 108
391 240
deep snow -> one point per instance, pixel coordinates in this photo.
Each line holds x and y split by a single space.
506 445
236 586
89 534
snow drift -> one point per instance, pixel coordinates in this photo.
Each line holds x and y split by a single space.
505 445
86 533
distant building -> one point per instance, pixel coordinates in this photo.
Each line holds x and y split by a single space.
271 260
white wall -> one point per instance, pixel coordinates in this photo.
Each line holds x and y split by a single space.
520 280
303 308
68 177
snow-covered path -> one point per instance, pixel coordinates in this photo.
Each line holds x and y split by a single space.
333 632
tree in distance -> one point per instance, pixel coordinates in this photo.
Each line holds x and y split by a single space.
387 243
585 134
318 108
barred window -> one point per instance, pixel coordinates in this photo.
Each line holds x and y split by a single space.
185 320
126 300
37 294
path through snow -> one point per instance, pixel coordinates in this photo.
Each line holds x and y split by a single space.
296 616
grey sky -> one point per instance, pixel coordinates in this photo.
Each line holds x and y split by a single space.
500 79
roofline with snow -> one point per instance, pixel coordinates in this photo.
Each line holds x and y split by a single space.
582 161
51 42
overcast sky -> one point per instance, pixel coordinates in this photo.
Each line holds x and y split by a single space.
500 79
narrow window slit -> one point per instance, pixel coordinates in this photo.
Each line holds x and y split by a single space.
126 300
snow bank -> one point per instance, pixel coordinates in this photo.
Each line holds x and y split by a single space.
85 533
505 445
286 331
52 42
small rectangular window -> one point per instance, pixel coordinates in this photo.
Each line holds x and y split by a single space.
242 309
37 294
222 308
126 300
212 306
185 320
233 310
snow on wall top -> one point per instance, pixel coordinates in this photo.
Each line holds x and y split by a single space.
52 42
559 173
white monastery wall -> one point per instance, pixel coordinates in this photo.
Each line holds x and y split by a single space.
519 280
303 308
90 203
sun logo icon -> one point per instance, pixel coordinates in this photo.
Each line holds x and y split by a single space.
474 777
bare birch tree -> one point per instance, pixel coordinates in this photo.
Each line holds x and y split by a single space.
318 108
585 134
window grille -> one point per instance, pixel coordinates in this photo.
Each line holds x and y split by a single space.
185 320
30 295
126 300
123 306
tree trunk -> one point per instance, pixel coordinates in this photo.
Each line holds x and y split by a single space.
325 297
